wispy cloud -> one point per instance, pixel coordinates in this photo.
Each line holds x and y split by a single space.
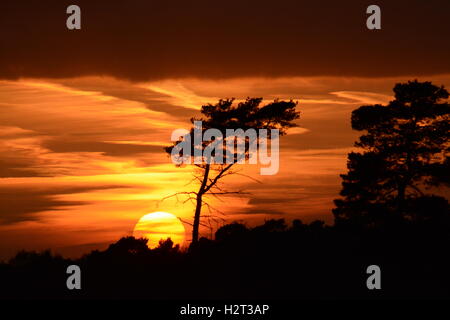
80 153
364 97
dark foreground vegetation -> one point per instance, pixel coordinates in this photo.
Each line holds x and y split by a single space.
393 212
270 261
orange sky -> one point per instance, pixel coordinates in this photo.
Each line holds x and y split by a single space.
81 159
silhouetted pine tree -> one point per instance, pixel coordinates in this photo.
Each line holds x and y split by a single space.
224 115
405 151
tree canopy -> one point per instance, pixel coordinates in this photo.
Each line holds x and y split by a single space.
404 153
223 116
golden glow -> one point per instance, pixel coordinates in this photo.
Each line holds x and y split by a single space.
85 155
159 225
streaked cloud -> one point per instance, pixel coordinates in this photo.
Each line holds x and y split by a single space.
83 156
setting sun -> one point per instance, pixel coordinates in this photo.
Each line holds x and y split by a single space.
159 225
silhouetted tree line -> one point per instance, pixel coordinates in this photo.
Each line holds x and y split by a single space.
270 261
393 213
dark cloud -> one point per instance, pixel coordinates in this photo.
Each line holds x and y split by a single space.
262 200
256 210
297 196
141 39
109 149
20 162
17 167
323 134
21 203
123 90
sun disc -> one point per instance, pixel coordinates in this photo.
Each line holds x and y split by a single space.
159 225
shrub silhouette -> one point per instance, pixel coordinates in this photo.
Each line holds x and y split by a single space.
271 261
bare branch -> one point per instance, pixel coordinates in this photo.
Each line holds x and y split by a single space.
250 177
228 192
184 221
179 193
210 207
218 177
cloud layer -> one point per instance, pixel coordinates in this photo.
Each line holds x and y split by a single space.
81 159
147 40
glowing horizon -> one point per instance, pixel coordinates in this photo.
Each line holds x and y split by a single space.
82 158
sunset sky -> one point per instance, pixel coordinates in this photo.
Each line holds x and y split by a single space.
84 115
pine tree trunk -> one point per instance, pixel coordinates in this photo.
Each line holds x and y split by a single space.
198 210
198 207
